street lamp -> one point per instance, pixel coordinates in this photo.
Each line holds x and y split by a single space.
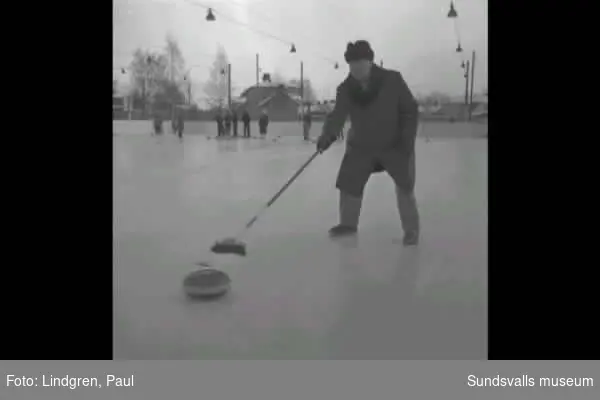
452 13
293 49
187 76
209 15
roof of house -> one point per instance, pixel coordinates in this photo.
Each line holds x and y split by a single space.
265 100
270 91
269 88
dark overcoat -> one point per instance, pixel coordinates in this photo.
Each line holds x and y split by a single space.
384 120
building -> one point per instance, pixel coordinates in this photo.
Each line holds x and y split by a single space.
119 106
282 102
480 108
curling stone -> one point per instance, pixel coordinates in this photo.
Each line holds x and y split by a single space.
206 283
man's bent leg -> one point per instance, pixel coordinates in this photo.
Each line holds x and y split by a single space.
402 169
409 215
350 207
352 178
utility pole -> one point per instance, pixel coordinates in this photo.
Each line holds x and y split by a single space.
257 71
467 88
171 79
229 85
302 88
472 85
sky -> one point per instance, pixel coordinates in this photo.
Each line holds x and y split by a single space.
412 36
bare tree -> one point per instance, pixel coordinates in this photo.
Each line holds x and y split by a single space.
147 70
216 87
156 76
176 60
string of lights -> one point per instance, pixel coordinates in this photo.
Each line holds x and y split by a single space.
453 15
211 11
468 66
267 18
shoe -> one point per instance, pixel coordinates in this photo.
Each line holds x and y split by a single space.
411 238
342 230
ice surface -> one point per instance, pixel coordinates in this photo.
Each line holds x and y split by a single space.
297 294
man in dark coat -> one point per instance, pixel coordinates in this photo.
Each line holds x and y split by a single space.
384 117
234 120
158 123
263 123
246 121
228 123
306 123
180 124
174 122
219 119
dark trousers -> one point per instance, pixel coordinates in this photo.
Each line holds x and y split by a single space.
306 127
235 129
247 130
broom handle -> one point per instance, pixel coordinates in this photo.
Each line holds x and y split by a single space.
274 198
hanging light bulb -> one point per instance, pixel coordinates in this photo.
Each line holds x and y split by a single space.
293 49
452 13
209 15
222 71
336 66
462 65
459 49
123 71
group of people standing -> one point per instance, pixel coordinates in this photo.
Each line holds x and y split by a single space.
227 120
177 123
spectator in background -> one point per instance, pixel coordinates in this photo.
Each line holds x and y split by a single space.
246 121
263 123
234 120
228 122
174 121
307 123
158 123
180 124
219 120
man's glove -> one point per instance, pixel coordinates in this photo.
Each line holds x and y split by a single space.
324 142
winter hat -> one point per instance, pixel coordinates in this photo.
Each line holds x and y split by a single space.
359 50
